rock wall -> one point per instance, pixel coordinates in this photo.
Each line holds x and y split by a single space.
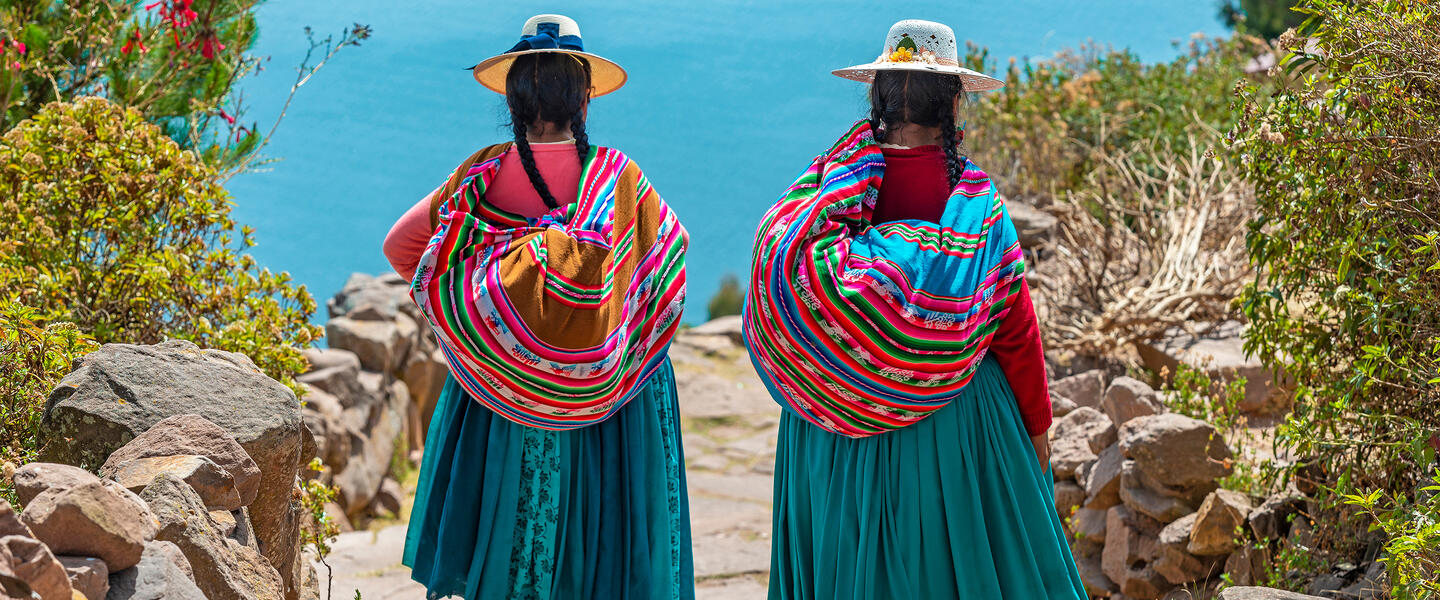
120 392
371 393
178 512
1138 490
200 455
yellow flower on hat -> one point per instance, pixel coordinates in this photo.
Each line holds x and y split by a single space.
902 54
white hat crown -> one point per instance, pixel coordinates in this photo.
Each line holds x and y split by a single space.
914 40
566 25
916 45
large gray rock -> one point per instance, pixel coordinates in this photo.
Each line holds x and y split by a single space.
1094 579
195 435
91 519
1087 529
1130 546
1142 493
325 358
223 568
1271 521
1089 425
1260 593
728 327
424 373
1127 398
1102 479
1085 389
1217 522
378 344
1176 450
122 390
1221 355
32 563
389 498
156 577
323 416
10 523
372 445
341 381
1173 559
373 298
88 575
212 482
1248 564
1068 497
1061 406
11 586
174 554
1032 224
32 479
1077 438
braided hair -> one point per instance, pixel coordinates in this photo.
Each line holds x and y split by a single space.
547 87
920 98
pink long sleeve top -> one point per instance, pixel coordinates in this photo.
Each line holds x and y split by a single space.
510 191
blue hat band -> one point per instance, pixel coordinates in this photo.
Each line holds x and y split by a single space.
547 37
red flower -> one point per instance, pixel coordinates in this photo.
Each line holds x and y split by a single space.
136 43
227 116
209 46
178 13
19 46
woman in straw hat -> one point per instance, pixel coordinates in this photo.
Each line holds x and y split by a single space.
553 276
888 314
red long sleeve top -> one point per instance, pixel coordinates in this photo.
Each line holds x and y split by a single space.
916 186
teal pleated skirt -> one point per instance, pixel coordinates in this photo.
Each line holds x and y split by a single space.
954 506
508 511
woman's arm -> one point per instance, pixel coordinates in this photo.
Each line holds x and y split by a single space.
408 237
1017 347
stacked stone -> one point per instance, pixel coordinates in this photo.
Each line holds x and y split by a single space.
1137 487
372 390
173 514
199 454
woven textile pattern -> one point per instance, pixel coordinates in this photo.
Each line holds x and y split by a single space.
862 330
554 322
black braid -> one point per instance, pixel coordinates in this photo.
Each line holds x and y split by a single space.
954 162
877 123
527 159
547 88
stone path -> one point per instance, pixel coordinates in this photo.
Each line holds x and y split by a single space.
730 425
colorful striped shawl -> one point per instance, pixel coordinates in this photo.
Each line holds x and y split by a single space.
861 330
554 322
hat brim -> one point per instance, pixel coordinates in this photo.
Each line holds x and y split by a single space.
975 81
605 75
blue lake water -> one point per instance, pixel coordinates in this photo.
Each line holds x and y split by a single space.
727 101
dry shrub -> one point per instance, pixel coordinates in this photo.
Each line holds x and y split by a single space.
1155 239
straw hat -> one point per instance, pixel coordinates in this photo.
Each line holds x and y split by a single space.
550 33
915 45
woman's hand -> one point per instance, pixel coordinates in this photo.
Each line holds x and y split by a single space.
1042 450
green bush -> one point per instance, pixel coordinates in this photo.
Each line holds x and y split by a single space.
728 300
1055 119
107 223
1347 247
33 357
